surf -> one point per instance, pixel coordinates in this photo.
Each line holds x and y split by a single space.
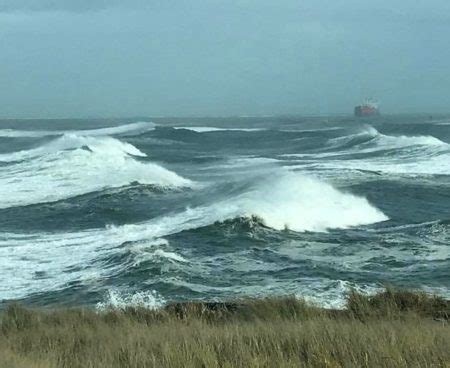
73 165
206 129
133 128
288 200
370 139
371 151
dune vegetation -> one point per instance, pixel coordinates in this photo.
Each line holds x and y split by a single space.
391 329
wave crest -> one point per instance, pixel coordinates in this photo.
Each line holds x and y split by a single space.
198 129
371 139
280 200
73 165
409 155
138 127
302 203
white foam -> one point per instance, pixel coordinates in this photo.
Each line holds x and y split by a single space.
70 141
135 128
138 127
154 250
284 199
117 300
242 164
45 262
372 140
311 130
302 203
413 155
412 162
333 293
215 129
77 257
445 121
73 165
408 141
325 292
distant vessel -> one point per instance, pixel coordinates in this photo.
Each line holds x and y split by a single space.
368 108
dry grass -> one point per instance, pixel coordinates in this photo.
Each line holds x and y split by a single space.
392 329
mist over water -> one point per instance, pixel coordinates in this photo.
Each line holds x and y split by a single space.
140 212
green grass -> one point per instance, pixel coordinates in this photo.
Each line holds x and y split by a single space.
391 329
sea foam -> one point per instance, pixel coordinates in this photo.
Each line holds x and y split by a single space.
198 129
133 128
73 165
115 300
282 199
402 155
302 203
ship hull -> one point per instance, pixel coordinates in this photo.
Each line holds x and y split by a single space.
362 111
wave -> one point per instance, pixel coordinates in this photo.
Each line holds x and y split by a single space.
409 165
71 141
215 129
445 121
154 251
371 139
282 199
408 141
73 165
303 203
135 128
409 155
286 200
117 300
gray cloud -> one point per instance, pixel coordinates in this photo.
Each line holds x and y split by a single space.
176 57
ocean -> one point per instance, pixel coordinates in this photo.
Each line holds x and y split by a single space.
149 211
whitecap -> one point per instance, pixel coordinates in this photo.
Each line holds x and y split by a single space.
119 300
74 165
215 129
138 127
282 199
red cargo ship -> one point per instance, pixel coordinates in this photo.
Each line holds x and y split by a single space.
368 108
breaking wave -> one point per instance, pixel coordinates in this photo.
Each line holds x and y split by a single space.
302 203
370 140
73 165
215 129
287 201
116 300
70 141
135 128
408 155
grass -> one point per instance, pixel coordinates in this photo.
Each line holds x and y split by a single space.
391 329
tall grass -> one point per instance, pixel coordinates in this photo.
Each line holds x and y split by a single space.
391 329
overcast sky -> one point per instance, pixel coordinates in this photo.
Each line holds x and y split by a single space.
80 58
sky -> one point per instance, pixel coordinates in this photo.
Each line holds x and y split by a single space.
113 58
